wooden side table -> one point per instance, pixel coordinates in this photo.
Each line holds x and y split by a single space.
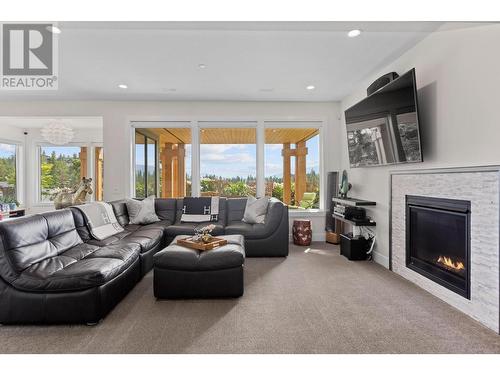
302 232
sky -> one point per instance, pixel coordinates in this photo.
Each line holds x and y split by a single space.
7 150
232 160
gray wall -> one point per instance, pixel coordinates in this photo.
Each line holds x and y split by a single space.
458 76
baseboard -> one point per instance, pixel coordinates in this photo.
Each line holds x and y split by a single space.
381 259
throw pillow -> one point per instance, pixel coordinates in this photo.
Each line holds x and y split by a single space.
142 212
256 210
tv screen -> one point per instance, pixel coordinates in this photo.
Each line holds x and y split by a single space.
384 128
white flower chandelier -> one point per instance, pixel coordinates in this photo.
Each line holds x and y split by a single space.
57 133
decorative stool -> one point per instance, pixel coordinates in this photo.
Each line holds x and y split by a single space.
302 232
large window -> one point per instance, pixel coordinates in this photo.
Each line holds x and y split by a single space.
228 164
8 173
292 166
61 167
230 159
145 165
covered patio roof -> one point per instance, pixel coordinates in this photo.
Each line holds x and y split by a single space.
235 135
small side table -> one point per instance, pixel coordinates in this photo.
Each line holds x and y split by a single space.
302 232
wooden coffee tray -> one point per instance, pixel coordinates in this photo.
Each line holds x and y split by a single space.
202 246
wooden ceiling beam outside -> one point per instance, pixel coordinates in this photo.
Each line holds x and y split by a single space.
235 135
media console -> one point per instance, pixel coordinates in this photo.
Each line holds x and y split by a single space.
353 245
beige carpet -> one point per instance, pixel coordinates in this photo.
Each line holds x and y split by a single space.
314 301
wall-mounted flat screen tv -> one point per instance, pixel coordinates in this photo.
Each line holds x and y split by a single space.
383 128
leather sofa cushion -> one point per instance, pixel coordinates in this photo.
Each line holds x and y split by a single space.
236 209
109 240
165 209
177 257
121 213
81 267
148 236
180 228
31 239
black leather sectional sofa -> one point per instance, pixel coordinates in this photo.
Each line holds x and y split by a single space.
53 271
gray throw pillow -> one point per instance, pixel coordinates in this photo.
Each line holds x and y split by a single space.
256 210
142 212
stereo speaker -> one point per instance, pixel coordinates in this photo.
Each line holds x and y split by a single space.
381 82
332 187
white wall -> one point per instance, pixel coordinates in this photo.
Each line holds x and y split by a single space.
458 80
117 115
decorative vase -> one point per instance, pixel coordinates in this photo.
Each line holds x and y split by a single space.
12 206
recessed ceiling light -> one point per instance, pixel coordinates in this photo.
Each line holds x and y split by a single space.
54 29
122 86
354 33
310 87
269 89
202 66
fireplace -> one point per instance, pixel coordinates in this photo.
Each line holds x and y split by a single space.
438 241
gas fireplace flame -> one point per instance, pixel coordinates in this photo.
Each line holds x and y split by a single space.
448 262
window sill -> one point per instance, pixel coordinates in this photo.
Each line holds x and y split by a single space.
43 204
306 213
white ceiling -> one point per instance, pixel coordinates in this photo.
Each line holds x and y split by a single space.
244 60
84 122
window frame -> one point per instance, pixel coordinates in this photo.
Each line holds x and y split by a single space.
37 199
19 155
156 164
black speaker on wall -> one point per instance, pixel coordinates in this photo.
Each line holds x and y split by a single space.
381 82
332 188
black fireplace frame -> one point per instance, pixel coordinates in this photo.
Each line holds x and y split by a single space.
451 206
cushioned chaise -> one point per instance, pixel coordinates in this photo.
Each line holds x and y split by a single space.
261 240
49 275
180 272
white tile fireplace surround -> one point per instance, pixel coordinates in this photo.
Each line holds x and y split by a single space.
480 186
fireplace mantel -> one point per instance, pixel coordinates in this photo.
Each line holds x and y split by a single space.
481 187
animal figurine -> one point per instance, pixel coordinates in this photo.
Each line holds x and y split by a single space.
344 186
73 197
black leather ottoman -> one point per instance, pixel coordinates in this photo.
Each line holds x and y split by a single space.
180 272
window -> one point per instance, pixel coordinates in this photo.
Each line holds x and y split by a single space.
292 166
61 167
145 165
8 173
228 162
227 159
